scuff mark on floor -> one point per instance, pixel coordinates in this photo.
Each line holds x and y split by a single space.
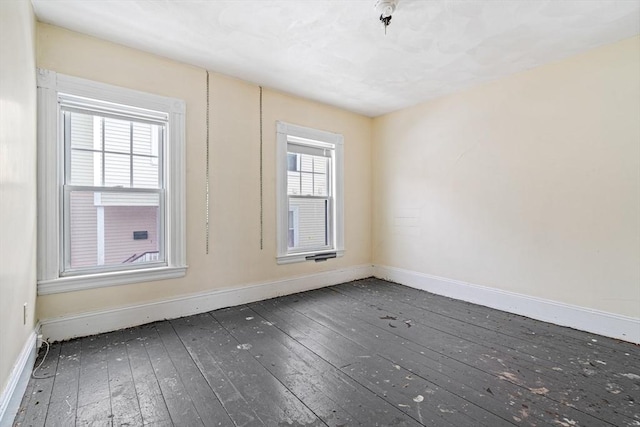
631 376
508 376
540 390
613 388
566 422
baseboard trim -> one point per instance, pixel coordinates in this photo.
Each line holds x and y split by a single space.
582 318
18 379
84 324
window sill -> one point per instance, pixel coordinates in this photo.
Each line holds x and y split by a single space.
101 280
301 257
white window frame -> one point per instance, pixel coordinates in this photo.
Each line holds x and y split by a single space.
51 87
284 131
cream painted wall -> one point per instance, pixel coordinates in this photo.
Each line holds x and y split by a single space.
17 180
235 257
529 184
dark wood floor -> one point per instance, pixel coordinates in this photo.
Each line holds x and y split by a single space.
367 353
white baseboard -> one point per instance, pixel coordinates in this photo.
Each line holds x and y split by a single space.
17 384
122 317
582 318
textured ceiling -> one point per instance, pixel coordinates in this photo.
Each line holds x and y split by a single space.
336 51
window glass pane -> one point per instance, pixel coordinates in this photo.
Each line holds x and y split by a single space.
111 229
117 170
320 176
117 135
292 162
306 181
312 180
306 163
293 183
82 131
142 138
86 167
291 238
320 185
145 172
83 230
312 231
291 234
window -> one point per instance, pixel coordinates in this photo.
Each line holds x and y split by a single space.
310 199
111 185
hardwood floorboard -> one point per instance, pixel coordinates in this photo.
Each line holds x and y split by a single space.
125 408
64 396
265 385
38 393
587 395
215 353
329 393
372 347
540 334
153 408
514 324
606 369
181 409
363 353
330 313
380 346
392 347
201 395
94 399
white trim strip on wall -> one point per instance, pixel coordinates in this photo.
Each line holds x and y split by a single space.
85 324
582 318
17 383
585 319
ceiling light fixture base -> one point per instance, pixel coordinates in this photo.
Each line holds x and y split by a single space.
385 8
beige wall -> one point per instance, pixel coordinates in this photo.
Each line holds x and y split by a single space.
235 258
529 184
17 180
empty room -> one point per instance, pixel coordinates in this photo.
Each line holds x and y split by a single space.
320 212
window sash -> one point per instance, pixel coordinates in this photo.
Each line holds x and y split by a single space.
67 188
66 128
315 148
329 225
65 261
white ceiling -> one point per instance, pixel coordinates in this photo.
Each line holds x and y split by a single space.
336 51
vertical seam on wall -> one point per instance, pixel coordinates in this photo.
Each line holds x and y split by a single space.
207 174
261 179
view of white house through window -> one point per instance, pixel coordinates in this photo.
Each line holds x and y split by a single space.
310 206
113 190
